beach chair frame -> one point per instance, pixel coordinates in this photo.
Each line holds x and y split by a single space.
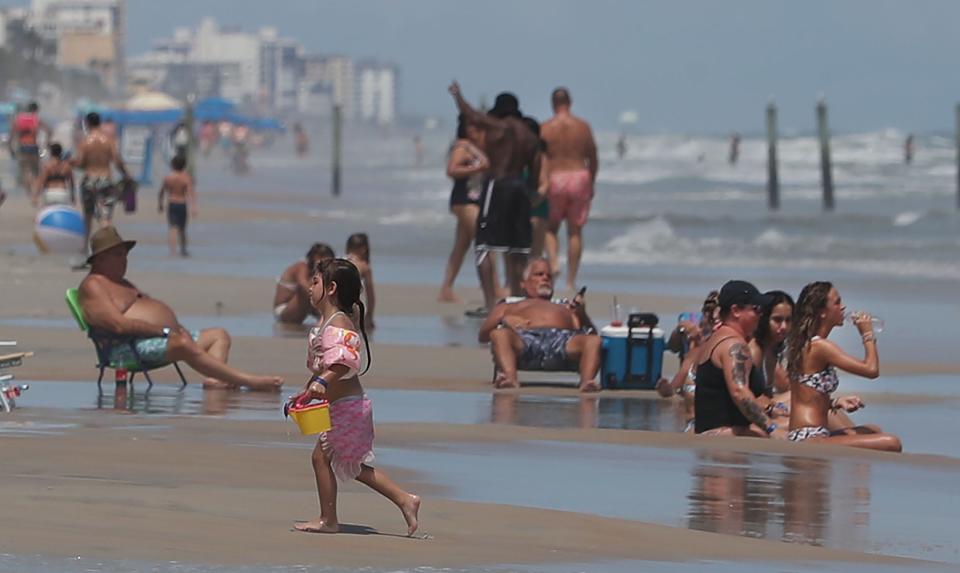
104 342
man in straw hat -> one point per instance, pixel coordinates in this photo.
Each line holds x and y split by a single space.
112 303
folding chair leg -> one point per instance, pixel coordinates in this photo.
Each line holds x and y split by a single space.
149 381
180 372
100 378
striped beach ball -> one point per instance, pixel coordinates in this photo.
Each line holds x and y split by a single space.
59 229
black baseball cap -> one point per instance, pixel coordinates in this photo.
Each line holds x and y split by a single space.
741 293
506 105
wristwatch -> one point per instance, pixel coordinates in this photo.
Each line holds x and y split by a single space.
165 332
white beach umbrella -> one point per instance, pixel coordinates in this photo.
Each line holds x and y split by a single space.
152 101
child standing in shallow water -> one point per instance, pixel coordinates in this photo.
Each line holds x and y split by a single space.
345 452
178 186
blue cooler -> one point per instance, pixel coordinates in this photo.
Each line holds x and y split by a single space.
632 355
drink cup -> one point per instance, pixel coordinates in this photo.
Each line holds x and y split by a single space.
615 313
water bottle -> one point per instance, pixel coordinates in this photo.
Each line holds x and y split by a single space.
850 316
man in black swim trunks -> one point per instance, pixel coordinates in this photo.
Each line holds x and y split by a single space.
504 222
537 334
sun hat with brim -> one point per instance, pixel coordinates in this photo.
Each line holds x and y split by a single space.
106 239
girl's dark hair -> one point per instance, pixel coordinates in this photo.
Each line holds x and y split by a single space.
359 241
347 277
56 150
461 127
806 321
762 335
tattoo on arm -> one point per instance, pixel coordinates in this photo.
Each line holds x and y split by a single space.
753 412
750 409
741 356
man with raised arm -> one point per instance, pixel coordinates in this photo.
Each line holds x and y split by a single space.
504 221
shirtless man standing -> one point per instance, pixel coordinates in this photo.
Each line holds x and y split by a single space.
96 153
572 159
539 334
291 299
504 221
113 304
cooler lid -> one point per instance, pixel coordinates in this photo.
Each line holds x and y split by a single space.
621 332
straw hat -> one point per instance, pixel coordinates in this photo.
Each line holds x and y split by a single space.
106 239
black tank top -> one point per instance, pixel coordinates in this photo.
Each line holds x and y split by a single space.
713 406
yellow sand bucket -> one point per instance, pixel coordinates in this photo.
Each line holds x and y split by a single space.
312 419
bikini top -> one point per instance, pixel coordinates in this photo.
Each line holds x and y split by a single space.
328 345
825 381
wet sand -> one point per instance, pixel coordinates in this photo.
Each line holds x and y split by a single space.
195 489
81 481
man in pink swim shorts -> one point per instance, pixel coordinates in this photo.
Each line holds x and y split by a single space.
571 164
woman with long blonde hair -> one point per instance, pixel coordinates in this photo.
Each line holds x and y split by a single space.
812 364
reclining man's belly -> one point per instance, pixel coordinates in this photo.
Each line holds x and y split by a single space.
153 311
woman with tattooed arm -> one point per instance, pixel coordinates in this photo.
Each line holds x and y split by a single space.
727 387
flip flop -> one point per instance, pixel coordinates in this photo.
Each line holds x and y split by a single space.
479 312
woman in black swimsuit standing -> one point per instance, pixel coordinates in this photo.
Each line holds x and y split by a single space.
466 166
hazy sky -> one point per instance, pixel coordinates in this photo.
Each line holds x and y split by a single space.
685 65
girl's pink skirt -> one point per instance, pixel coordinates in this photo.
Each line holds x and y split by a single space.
349 442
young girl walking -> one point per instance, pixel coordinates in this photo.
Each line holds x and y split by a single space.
345 452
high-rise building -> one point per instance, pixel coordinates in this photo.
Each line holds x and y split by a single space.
257 68
88 34
377 93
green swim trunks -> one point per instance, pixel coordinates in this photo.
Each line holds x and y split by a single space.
541 210
152 351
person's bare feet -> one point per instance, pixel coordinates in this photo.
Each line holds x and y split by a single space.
501 381
589 386
265 383
318 526
214 384
446 295
411 510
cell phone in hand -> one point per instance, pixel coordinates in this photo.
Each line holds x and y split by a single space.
582 291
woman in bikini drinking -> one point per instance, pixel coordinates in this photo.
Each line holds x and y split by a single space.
812 364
